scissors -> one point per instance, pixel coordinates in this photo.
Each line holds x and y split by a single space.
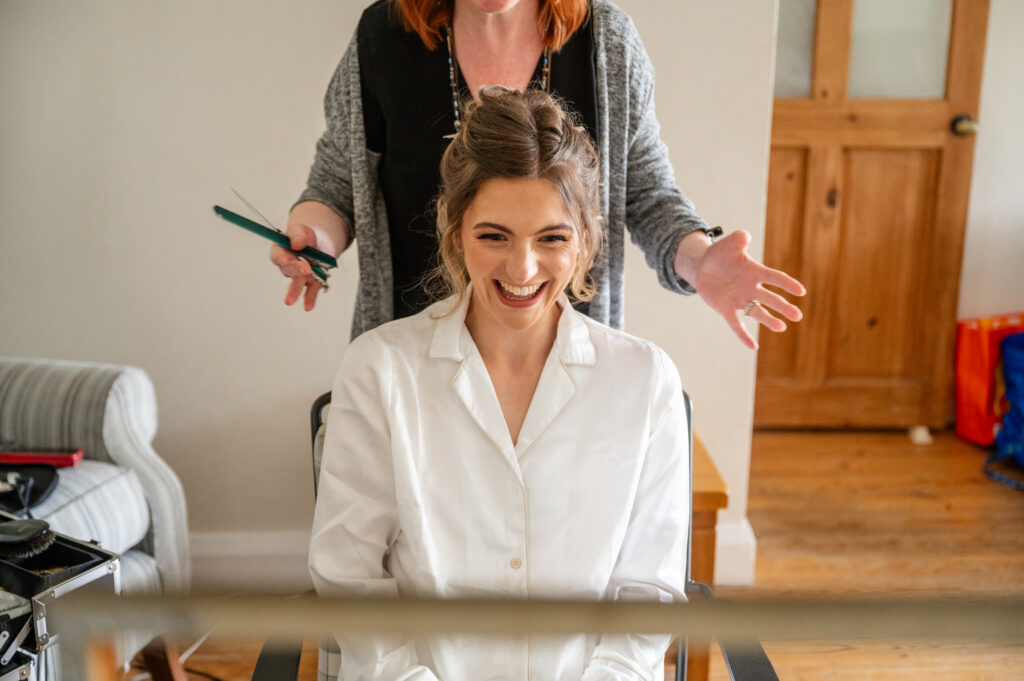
319 262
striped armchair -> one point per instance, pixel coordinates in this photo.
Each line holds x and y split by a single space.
122 495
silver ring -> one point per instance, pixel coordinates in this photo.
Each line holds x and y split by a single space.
749 307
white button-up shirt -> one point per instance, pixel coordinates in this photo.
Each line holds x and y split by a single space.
423 493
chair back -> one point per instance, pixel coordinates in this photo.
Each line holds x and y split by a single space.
318 430
62 404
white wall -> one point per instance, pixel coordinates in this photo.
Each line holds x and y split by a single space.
714 95
123 122
992 279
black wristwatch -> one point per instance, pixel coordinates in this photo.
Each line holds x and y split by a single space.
712 232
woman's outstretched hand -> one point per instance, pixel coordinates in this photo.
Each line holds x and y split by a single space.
309 224
733 285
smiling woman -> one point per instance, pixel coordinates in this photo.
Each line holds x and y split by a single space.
539 142
500 443
522 226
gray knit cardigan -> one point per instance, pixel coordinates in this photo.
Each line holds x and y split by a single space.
638 190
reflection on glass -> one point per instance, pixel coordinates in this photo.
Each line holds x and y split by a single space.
898 49
795 48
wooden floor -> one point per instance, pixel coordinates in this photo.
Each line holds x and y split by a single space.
852 513
872 512
843 513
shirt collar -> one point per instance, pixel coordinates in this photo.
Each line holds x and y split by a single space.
452 340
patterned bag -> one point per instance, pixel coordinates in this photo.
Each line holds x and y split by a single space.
1010 439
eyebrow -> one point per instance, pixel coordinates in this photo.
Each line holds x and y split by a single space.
561 227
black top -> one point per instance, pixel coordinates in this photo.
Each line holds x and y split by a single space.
407 112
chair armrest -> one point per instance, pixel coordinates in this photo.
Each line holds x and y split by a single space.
110 412
745 660
130 408
278 662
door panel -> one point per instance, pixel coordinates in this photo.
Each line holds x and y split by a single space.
887 215
899 49
795 53
867 200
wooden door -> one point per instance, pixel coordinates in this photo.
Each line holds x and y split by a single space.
867 198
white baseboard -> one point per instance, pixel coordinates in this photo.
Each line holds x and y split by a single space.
735 553
250 561
276 560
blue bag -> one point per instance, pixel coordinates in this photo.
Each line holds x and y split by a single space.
1010 439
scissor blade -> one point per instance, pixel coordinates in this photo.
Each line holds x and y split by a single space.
253 209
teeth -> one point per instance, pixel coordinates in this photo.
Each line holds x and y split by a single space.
521 291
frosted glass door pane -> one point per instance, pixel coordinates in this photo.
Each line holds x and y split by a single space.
899 48
795 48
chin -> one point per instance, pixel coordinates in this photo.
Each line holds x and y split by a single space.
494 6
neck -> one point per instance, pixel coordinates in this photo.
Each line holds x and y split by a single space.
523 348
497 29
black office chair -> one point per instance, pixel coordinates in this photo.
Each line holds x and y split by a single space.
745 660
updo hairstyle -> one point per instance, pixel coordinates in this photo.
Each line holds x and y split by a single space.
509 134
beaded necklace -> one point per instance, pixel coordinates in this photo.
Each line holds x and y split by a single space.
545 74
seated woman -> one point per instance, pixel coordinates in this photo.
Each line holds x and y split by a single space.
499 443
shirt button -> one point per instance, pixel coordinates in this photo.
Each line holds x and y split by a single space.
515 563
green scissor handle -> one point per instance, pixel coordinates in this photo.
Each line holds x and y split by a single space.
281 239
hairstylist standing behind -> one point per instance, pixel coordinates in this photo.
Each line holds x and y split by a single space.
398 95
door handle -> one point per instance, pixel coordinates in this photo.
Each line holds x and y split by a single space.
964 126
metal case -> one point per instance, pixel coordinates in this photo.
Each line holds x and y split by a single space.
69 564
20 668
15 622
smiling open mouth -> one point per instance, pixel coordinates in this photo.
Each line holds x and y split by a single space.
518 294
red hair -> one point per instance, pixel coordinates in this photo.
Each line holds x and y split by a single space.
558 19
